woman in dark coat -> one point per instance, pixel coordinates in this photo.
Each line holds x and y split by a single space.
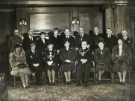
51 63
85 61
128 41
56 41
102 59
121 57
68 57
35 63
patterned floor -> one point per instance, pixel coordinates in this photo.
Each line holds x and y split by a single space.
101 92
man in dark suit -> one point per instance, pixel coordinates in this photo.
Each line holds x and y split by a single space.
55 39
85 59
110 39
15 39
95 36
28 39
82 36
67 37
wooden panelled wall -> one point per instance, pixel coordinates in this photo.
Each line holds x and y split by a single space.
7 23
112 16
89 16
116 17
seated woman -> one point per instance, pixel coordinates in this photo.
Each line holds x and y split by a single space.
85 62
68 57
19 67
35 63
102 59
121 57
51 63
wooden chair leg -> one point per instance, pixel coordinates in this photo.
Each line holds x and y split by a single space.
94 76
129 75
14 81
112 77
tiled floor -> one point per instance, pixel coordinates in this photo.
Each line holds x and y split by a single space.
101 92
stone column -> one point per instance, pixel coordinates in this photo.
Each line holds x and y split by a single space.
122 18
109 18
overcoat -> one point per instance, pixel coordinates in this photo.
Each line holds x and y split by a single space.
121 63
102 59
68 55
83 69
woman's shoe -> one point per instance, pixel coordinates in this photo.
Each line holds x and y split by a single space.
53 83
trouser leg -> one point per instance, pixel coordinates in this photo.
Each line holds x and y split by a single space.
86 73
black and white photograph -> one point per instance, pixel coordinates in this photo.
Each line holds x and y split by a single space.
67 50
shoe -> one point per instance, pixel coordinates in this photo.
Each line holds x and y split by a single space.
78 84
49 83
99 82
53 84
67 83
85 84
124 83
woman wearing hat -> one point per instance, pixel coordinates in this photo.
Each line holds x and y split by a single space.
102 59
19 67
51 63
68 57
121 58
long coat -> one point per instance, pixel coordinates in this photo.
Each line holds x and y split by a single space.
83 69
70 55
120 63
34 58
102 59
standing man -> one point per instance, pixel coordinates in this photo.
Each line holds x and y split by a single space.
110 39
95 37
82 36
15 39
28 40
67 37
